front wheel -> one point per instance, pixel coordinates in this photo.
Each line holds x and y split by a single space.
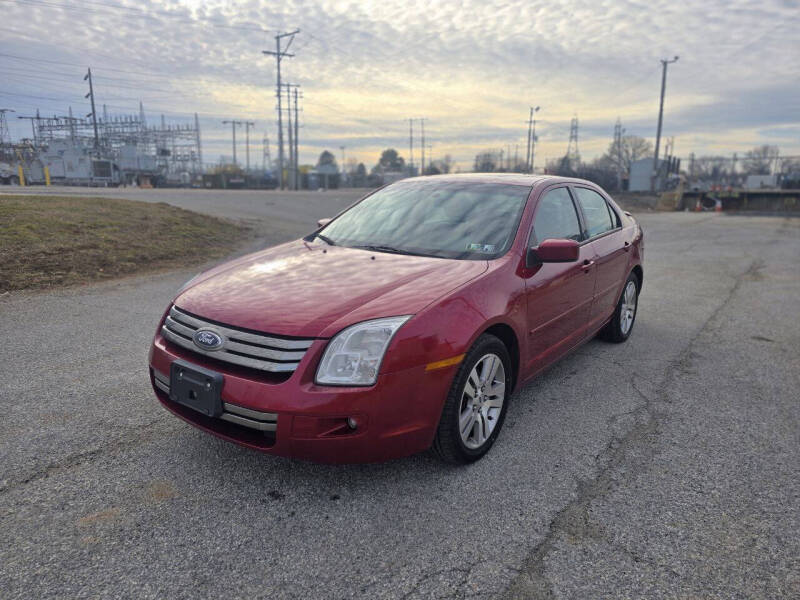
476 405
620 326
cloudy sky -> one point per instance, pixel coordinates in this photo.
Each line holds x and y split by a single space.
471 68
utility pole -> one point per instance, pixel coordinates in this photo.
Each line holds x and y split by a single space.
618 131
422 146
233 125
664 64
279 54
93 113
296 143
343 170
290 166
531 139
266 160
528 151
247 126
199 145
411 146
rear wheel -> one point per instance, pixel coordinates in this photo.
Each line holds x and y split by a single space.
620 326
476 405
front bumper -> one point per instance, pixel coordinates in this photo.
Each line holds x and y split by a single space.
297 418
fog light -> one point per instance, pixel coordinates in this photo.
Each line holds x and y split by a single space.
352 423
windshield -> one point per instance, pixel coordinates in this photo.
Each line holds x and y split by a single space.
464 220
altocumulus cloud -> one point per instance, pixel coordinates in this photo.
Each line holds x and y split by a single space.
472 68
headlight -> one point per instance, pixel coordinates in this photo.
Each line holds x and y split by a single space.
354 355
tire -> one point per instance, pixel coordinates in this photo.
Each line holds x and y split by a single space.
619 328
481 416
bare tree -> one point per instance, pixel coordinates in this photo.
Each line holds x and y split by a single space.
712 168
758 161
486 162
630 149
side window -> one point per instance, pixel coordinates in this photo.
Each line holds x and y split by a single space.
556 218
596 211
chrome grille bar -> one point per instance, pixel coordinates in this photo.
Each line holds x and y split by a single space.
246 417
257 351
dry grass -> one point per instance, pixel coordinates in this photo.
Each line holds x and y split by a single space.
48 241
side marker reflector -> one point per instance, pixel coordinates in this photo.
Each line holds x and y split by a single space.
447 362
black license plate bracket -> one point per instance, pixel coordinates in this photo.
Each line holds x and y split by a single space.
196 387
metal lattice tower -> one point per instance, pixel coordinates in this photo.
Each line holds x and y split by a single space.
572 148
5 137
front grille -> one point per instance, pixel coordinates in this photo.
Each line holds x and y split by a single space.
244 348
252 419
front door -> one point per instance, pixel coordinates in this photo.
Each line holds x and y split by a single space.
558 295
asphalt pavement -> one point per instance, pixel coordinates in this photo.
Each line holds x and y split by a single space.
665 467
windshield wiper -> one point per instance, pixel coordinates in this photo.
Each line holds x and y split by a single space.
393 250
325 239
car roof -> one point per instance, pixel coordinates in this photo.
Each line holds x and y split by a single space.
507 178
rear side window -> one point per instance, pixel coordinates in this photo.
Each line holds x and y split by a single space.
556 218
596 211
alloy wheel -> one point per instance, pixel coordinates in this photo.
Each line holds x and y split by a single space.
482 401
628 308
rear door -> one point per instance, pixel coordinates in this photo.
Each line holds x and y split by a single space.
558 295
603 230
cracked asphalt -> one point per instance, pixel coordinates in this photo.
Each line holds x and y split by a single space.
665 467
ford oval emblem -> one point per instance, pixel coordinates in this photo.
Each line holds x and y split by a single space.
205 339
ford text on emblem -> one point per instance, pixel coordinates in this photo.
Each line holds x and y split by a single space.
207 339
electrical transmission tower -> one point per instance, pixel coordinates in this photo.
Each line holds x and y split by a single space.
573 155
279 53
5 136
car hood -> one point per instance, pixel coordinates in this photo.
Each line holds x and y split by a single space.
311 290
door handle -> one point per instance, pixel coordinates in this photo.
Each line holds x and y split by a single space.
587 265
627 246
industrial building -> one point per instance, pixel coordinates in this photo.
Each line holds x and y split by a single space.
119 150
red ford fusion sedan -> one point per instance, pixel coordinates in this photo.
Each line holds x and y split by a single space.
405 323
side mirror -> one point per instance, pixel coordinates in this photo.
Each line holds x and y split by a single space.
552 251
323 222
